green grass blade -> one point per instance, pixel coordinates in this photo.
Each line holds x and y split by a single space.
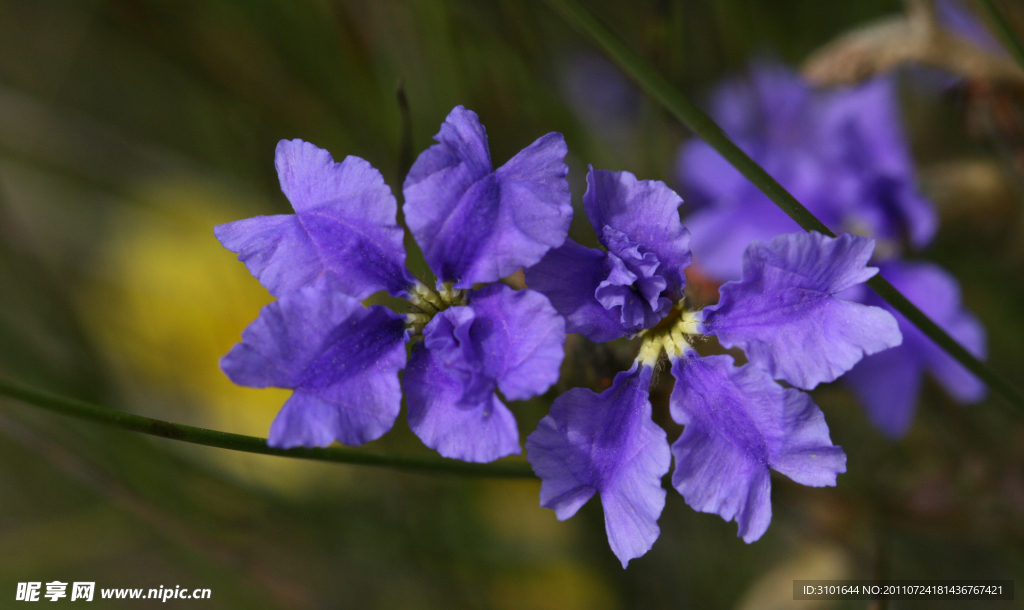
704 127
1005 33
251 444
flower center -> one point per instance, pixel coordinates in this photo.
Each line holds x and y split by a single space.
429 302
669 335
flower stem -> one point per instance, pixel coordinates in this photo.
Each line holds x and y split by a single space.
251 444
704 127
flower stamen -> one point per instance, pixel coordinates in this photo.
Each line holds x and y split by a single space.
429 303
669 336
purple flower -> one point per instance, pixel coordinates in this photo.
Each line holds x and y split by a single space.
343 244
739 422
634 283
888 383
840 153
607 444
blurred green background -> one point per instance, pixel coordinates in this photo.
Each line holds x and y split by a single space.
128 128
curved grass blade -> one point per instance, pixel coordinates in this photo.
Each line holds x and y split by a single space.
252 444
1005 33
701 124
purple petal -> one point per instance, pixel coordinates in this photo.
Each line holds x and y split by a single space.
479 225
605 443
277 250
603 295
841 153
721 234
520 337
888 383
569 277
739 423
480 432
784 313
342 360
634 283
344 227
861 131
647 213
449 339
504 339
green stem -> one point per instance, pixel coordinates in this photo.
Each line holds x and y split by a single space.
917 317
701 124
252 444
1010 41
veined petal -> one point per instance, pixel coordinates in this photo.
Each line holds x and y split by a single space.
647 213
785 315
520 338
277 250
342 360
635 283
479 225
344 227
475 432
504 339
605 443
739 423
569 277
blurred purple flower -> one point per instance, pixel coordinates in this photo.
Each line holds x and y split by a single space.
888 383
840 153
600 93
475 224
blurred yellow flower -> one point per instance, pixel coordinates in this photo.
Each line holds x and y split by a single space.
167 302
